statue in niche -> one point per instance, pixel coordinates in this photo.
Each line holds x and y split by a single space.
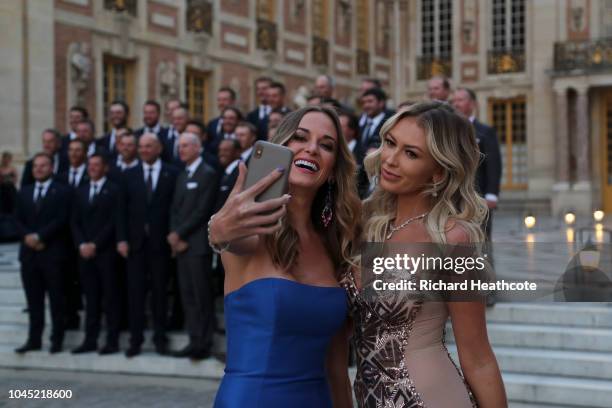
167 81
296 9
80 71
382 27
344 17
468 26
578 15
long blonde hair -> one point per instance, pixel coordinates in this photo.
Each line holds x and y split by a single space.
451 141
339 235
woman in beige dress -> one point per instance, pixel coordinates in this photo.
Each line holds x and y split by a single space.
425 165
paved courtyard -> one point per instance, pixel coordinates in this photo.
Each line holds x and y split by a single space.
107 390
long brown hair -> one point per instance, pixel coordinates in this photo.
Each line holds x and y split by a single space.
344 229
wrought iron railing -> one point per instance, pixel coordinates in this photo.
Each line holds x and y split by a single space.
266 35
429 66
589 55
199 16
131 6
320 51
363 62
506 61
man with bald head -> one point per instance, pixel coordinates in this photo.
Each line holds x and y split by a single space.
147 191
192 205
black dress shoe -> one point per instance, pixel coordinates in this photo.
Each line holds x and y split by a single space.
56 348
85 348
72 323
185 352
199 354
161 349
28 347
108 350
133 351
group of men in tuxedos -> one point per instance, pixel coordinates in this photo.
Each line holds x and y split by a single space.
132 201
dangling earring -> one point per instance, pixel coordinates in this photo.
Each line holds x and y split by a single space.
434 194
328 212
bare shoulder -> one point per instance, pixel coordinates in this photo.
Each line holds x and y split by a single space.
456 233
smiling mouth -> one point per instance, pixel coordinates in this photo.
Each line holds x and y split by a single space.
308 165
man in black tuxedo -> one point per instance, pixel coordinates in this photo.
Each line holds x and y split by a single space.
51 145
350 130
180 118
151 112
118 114
76 173
275 96
488 175
226 97
127 157
438 88
246 134
373 103
197 128
260 114
229 158
194 198
42 215
147 192
75 177
86 131
75 115
93 223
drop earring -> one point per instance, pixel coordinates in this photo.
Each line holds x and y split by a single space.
328 212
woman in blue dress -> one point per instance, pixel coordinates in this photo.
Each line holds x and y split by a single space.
284 309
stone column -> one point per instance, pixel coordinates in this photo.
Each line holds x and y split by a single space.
561 141
583 176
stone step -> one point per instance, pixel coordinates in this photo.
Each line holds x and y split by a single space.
579 364
148 362
547 337
13 335
593 315
14 314
558 391
13 296
10 280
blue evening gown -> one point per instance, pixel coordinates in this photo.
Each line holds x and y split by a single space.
278 334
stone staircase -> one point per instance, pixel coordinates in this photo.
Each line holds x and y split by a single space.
13 333
551 355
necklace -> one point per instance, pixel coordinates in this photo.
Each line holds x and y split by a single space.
393 229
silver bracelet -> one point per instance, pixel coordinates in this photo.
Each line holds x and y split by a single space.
218 249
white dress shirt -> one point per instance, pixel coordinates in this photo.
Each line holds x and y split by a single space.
113 139
230 167
264 111
193 167
155 174
488 196
155 129
125 166
45 186
76 173
352 144
244 156
95 187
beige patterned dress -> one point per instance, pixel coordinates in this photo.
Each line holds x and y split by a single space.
402 361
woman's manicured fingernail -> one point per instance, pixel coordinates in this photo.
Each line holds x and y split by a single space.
281 169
